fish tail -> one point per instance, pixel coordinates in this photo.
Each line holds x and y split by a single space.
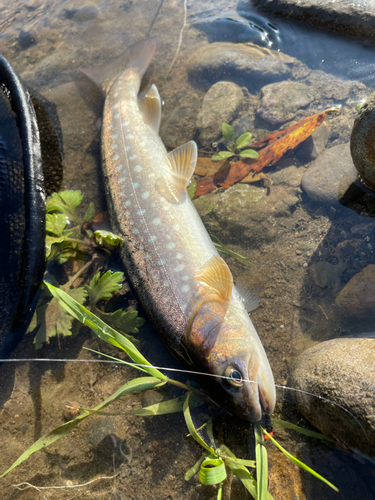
132 63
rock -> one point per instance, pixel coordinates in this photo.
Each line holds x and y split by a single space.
350 17
245 64
178 126
342 371
330 175
357 298
326 274
362 146
280 101
315 144
85 13
289 176
220 104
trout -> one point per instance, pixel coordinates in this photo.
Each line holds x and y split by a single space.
183 284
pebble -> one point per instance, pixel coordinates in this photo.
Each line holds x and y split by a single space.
330 175
220 105
343 371
280 101
248 64
362 146
357 298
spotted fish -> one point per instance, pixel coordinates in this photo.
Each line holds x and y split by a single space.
184 285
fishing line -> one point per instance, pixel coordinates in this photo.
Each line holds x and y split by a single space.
180 370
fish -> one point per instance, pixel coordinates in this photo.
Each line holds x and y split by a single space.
183 284
22 209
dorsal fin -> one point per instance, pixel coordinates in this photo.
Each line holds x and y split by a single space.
216 274
150 108
180 164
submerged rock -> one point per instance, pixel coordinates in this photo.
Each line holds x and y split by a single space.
349 17
342 371
357 299
220 104
251 65
280 101
362 146
330 175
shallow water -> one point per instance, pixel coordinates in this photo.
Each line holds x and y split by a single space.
48 43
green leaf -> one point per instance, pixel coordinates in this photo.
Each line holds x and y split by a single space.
299 463
102 237
54 320
89 215
56 223
359 106
287 425
65 202
138 384
261 463
103 331
225 154
228 132
191 190
165 407
104 286
125 321
243 140
193 432
241 472
190 473
217 158
51 240
212 470
249 153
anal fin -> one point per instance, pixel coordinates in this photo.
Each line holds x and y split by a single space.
150 108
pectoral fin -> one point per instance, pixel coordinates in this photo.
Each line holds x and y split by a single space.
150 108
216 274
180 164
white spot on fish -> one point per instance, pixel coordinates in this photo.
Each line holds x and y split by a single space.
176 227
135 185
114 146
166 283
156 221
128 203
145 195
165 299
114 136
132 157
141 247
129 136
185 288
153 205
122 180
185 277
119 167
180 267
116 157
161 262
128 148
125 124
152 238
156 277
137 168
147 256
183 307
170 246
135 230
141 212
179 256
168 236
117 115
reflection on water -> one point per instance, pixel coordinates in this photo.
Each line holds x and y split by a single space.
305 249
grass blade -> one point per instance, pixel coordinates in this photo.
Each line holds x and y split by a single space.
139 384
261 463
299 463
101 329
189 422
190 473
287 425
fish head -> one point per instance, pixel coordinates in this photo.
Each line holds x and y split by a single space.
225 343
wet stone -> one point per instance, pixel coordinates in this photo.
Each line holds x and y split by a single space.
357 299
343 371
326 274
280 101
315 144
290 176
330 175
249 65
220 105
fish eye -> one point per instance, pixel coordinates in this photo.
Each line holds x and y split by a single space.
234 376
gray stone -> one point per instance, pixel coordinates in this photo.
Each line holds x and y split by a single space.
326 274
357 298
247 64
330 175
289 176
362 144
350 17
315 144
342 371
280 101
220 104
